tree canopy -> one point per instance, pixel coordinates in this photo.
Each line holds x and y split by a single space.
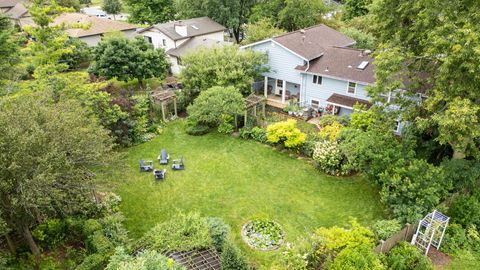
260 30
221 66
124 59
112 7
46 150
150 11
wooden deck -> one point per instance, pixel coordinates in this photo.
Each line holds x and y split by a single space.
276 101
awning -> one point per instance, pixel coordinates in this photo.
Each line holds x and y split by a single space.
346 101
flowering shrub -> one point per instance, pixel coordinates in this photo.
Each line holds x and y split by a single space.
287 133
329 158
331 132
263 234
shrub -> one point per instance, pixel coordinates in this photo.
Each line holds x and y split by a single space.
208 108
329 158
454 239
361 118
405 257
465 209
232 258
328 242
358 258
184 232
384 229
464 174
292 258
145 260
412 190
219 232
110 203
196 129
113 229
95 261
226 126
80 53
50 233
287 133
245 133
328 119
259 134
331 132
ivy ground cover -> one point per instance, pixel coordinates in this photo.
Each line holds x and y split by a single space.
236 180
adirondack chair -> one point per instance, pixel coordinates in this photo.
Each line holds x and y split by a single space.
160 175
178 164
146 165
163 157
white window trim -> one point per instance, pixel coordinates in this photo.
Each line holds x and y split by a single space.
312 99
318 77
354 90
397 127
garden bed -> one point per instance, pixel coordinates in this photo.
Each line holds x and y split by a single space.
262 234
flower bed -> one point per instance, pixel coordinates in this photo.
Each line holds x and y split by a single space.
263 234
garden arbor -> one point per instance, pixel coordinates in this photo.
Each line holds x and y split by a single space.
251 103
163 98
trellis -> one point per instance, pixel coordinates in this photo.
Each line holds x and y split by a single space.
163 97
251 103
430 231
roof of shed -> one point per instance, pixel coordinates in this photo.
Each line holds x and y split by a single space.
347 101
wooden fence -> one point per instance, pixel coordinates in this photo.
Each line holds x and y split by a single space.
405 234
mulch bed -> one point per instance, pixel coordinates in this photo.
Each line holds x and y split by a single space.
438 258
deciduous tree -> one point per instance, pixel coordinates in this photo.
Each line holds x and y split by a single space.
355 8
299 14
112 7
46 150
260 30
150 11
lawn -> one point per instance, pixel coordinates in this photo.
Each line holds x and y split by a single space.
236 180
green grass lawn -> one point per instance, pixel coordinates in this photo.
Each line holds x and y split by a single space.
236 180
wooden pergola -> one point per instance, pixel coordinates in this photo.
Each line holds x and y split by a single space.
252 101
163 97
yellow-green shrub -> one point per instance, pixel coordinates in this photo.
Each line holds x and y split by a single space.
331 132
287 133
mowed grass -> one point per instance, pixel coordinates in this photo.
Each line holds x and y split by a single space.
236 180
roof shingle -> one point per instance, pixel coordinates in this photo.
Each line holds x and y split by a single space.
195 27
310 43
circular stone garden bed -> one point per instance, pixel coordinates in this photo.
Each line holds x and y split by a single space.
263 234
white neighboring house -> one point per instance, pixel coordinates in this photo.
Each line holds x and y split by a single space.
179 37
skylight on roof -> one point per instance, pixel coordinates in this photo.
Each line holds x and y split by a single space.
194 27
363 65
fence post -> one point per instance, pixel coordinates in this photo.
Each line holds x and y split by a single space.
405 237
382 242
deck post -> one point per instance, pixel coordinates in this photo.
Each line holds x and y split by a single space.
245 120
263 109
265 86
284 89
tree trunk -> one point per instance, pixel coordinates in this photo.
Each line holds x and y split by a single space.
457 154
140 82
30 241
11 245
236 34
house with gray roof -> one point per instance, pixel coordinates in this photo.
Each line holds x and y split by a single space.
178 38
316 67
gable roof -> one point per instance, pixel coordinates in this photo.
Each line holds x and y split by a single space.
17 12
8 3
312 42
343 63
195 27
97 25
194 43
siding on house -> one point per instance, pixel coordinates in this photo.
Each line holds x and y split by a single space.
281 62
330 86
95 39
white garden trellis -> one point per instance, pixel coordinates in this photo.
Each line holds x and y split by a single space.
430 231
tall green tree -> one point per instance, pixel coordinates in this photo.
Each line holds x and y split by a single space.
112 7
46 150
260 30
233 14
150 11
124 59
221 66
9 48
355 8
267 9
299 14
435 51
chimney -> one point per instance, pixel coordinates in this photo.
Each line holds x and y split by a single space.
181 28
302 31
326 69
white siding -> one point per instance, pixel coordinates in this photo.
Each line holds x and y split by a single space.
157 39
330 86
95 39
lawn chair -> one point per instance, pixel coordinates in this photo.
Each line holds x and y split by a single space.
178 164
160 175
146 166
163 157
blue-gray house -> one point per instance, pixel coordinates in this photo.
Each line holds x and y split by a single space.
317 67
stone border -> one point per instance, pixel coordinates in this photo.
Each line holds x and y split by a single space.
245 238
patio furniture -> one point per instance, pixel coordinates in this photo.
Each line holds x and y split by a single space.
163 157
146 165
178 164
159 175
